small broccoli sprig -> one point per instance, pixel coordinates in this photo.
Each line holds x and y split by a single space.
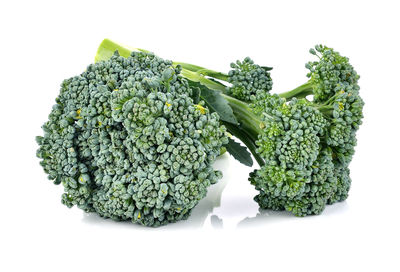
334 86
247 78
127 141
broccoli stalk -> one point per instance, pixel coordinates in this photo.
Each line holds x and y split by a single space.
299 92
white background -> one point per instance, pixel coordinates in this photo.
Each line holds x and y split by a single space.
44 42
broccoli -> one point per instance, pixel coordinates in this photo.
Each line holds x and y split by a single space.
134 137
127 141
303 145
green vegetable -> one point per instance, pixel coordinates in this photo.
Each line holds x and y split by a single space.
134 137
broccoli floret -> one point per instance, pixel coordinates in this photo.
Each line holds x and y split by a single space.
247 78
127 141
330 73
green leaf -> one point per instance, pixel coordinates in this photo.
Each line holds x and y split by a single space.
107 48
239 152
215 102
266 68
246 139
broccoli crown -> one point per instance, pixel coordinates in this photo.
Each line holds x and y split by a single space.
247 78
307 145
127 142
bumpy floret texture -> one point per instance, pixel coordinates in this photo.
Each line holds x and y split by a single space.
330 73
308 146
291 131
247 78
295 172
127 142
347 117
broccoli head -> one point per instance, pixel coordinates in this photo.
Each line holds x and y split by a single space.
306 145
127 141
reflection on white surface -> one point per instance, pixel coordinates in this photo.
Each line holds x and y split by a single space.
265 217
229 214
216 222
202 211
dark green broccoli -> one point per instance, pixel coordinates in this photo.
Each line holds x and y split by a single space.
134 137
127 141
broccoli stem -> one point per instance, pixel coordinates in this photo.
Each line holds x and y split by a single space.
196 77
327 110
202 71
299 92
247 119
188 66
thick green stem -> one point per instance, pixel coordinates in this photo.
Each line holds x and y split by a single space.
193 76
248 120
300 92
249 128
203 71
188 66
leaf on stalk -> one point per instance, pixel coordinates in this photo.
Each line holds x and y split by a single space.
239 152
215 102
266 68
